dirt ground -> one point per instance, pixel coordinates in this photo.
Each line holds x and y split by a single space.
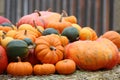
113 74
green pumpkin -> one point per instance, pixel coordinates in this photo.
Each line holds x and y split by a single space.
48 31
17 48
71 33
7 24
29 42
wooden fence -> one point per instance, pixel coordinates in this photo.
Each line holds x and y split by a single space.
97 14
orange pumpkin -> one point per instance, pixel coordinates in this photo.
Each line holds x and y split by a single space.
44 69
92 55
115 55
59 25
19 68
88 33
6 26
49 49
66 66
72 19
24 35
63 39
119 59
113 36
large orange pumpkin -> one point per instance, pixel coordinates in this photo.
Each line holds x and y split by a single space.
49 49
113 36
92 55
115 54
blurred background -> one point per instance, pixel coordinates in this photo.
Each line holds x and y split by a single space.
101 15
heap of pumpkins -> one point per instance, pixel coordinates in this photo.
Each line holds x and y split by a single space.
46 42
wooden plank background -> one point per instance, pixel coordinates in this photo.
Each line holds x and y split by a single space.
97 14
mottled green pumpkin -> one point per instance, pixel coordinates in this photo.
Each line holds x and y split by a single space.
71 33
48 31
17 48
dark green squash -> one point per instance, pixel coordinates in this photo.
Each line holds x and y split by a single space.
29 42
7 24
71 33
48 31
17 48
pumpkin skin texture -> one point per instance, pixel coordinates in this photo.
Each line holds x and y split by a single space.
64 40
17 48
119 58
44 69
3 60
91 55
88 33
48 31
11 33
71 33
77 26
58 25
66 66
19 68
115 38
5 40
24 35
49 49
115 53
71 19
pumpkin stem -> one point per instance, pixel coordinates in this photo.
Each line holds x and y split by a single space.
37 11
12 27
3 36
36 26
65 13
32 46
61 17
25 33
4 32
49 9
52 48
19 59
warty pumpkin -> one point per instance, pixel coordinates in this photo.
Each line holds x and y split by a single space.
19 68
44 69
115 53
92 55
49 49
